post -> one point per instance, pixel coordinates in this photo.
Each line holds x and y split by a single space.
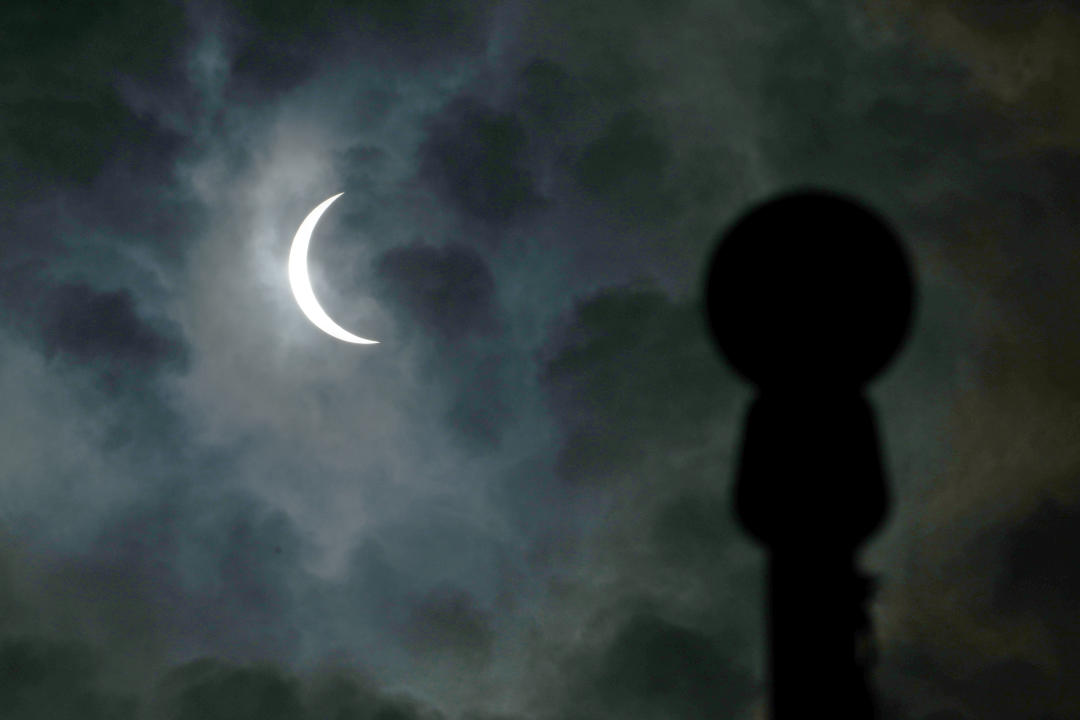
809 296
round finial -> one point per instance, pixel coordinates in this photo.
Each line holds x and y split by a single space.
809 289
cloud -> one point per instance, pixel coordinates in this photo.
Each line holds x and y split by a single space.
62 680
648 416
89 326
626 165
1038 558
56 680
693 530
278 46
164 579
653 668
447 620
1009 231
339 694
449 295
1018 56
448 290
212 690
550 94
65 115
989 632
479 411
411 20
45 37
634 371
950 684
69 138
477 158
513 167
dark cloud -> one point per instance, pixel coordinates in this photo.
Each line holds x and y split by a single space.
1017 55
448 293
61 680
277 46
917 683
377 586
448 290
652 668
72 138
626 164
946 714
64 117
404 21
550 94
477 158
611 144
89 325
56 680
261 70
1038 578
1038 557
647 409
590 41
280 45
1008 689
1016 654
984 603
92 134
480 412
212 690
1010 232
693 530
104 329
634 371
178 574
447 620
61 42
339 694
834 103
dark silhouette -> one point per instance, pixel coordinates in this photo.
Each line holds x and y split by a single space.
809 296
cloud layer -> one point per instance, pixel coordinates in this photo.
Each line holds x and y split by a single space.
515 506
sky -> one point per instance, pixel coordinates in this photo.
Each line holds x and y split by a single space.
517 505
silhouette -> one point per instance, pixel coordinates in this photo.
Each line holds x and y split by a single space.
809 296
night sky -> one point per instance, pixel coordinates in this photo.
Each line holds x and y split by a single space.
517 505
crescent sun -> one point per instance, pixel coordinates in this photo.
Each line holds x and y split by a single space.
301 283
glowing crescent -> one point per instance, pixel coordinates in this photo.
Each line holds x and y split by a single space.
301 283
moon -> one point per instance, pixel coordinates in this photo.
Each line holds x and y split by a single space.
301 283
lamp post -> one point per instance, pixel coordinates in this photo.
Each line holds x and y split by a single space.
809 296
